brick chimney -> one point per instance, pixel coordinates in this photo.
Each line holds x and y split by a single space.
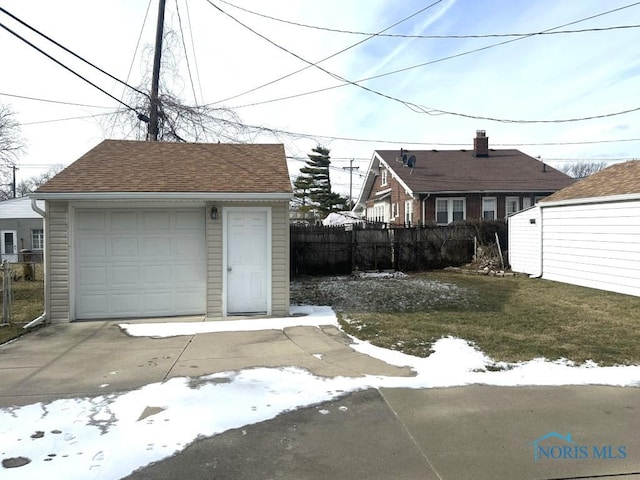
481 144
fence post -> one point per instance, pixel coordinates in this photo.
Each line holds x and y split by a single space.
6 292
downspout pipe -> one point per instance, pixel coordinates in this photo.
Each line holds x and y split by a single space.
43 317
36 208
424 209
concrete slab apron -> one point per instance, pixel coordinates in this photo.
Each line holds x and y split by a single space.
323 351
481 432
356 437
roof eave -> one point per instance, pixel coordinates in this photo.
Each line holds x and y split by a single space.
584 200
161 196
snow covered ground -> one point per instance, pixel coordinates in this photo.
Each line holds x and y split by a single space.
83 438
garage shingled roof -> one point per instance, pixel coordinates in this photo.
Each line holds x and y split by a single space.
618 179
139 166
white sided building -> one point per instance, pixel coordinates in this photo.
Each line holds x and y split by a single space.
586 234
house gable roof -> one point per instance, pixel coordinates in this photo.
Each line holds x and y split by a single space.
618 179
18 208
124 166
461 171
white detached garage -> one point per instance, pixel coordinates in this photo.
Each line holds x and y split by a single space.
149 229
586 234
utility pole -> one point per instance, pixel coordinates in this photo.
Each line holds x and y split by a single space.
155 80
13 183
351 168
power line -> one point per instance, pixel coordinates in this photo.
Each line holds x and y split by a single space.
65 49
434 111
407 36
60 102
186 57
330 56
69 69
68 118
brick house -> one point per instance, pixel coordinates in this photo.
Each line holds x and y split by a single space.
428 187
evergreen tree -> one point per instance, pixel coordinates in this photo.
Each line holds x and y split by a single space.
314 184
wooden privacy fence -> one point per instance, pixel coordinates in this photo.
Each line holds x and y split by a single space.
317 250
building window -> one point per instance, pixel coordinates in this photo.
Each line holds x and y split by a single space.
537 198
384 177
489 208
394 210
526 202
450 210
408 212
512 205
380 212
37 239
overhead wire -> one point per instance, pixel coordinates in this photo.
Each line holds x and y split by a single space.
193 49
69 69
3 10
408 36
330 56
434 111
59 102
186 56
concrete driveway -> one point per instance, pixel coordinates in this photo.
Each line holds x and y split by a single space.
474 432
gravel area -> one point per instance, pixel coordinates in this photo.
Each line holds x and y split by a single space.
378 292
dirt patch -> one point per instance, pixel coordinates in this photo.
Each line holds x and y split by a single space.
379 292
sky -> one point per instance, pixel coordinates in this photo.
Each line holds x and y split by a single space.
82 437
444 89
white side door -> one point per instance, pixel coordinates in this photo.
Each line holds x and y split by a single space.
9 245
248 261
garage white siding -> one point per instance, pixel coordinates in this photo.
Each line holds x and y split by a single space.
594 245
525 249
139 262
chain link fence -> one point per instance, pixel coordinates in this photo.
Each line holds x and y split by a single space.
22 291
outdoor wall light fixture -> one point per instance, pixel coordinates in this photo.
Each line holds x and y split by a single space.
214 213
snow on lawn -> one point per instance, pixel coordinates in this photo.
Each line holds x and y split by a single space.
83 438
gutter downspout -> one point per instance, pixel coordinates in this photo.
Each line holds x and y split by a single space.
37 209
43 317
424 209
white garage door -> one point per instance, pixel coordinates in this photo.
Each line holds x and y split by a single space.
139 263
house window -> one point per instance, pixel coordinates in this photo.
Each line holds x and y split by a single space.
538 198
394 210
37 239
489 208
526 202
384 177
512 205
450 210
408 212
380 212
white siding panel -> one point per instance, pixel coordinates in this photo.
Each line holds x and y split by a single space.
524 242
594 245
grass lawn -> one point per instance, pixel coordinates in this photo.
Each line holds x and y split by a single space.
510 319
27 303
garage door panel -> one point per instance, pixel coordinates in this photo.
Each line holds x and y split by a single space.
91 247
93 305
185 301
156 274
124 276
93 276
124 247
123 221
90 221
157 220
191 220
188 248
158 302
157 247
124 303
141 262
